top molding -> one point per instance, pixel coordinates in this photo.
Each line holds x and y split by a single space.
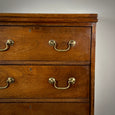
53 18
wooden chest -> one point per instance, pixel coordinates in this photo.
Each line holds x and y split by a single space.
47 64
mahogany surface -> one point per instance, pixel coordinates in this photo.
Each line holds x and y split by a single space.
44 109
31 43
31 61
32 81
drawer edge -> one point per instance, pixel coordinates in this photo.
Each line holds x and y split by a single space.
44 100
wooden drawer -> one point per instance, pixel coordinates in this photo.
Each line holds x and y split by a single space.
44 109
32 82
31 43
46 79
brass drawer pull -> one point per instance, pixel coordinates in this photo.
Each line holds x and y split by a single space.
70 43
9 81
8 44
71 81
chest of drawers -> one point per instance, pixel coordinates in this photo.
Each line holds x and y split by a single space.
47 64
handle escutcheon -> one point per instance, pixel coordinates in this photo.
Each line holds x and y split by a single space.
70 44
9 81
8 44
71 81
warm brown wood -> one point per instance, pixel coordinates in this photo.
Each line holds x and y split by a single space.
32 81
35 15
82 24
44 109
93 68
44 100
31 43
42 20
54 18
31 61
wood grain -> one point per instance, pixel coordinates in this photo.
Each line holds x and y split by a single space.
81 24
31 43
31 61
38 15
32 81
44 109
53 18
63 100
92 87
34 62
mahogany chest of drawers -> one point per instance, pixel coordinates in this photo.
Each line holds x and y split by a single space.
47 64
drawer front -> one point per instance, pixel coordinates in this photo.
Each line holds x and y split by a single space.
31 43
32 82
44 109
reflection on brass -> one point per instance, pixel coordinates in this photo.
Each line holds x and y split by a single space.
8 44
71 81
70 43
9 81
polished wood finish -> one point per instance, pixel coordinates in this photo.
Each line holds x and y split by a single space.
44 109
53 18
34 41
31 61
93 68
81 24
35 15
36 62
45 100
32 81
